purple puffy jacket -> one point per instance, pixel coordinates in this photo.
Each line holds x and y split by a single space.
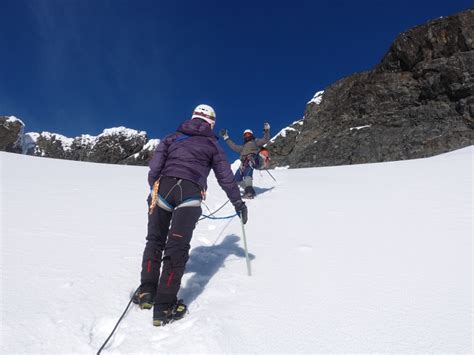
190 153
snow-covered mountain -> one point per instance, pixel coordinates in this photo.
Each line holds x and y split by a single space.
364 258
119 145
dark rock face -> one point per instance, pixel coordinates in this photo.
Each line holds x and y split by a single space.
115 146
441 38
51 145
418 102
144 156
283 145
11 133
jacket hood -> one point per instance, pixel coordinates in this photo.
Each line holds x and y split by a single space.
196 127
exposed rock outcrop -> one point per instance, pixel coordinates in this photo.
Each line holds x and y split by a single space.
114 145
11 134
111 146
418 102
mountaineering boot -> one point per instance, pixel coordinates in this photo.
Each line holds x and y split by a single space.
145 300
144 297
164 313
180 309
249 192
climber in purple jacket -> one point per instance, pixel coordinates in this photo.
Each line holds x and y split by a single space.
178 178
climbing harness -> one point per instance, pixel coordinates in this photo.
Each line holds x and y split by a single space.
160 201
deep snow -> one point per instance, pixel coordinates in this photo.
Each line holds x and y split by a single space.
365 258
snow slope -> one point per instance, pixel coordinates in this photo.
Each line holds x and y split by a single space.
366 258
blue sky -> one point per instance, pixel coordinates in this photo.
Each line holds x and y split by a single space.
79 66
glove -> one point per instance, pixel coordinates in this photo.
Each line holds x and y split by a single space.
242 211
224 134
266 126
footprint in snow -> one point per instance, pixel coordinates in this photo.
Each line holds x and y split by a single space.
160 335
102 328
304 248
67 285
168 330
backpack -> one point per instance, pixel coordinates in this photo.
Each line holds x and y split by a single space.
262 159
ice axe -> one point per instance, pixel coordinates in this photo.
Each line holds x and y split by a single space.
270 175
249 271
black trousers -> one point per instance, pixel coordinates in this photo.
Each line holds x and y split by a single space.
168 238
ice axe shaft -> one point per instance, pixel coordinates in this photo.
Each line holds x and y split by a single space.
270 175
249 271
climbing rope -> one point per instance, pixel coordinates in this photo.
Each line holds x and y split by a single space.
226 217
118 322
210 216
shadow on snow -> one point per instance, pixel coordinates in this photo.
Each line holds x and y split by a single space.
262 190
205 262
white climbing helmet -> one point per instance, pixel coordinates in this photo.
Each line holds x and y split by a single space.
206 113
248 131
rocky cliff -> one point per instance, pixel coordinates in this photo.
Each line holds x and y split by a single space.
11 133
114 145
418 102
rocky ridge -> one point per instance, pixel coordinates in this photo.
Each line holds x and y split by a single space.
418 102
118 145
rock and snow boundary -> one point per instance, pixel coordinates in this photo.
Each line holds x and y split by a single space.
118 145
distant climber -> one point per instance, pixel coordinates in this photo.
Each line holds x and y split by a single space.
249 157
